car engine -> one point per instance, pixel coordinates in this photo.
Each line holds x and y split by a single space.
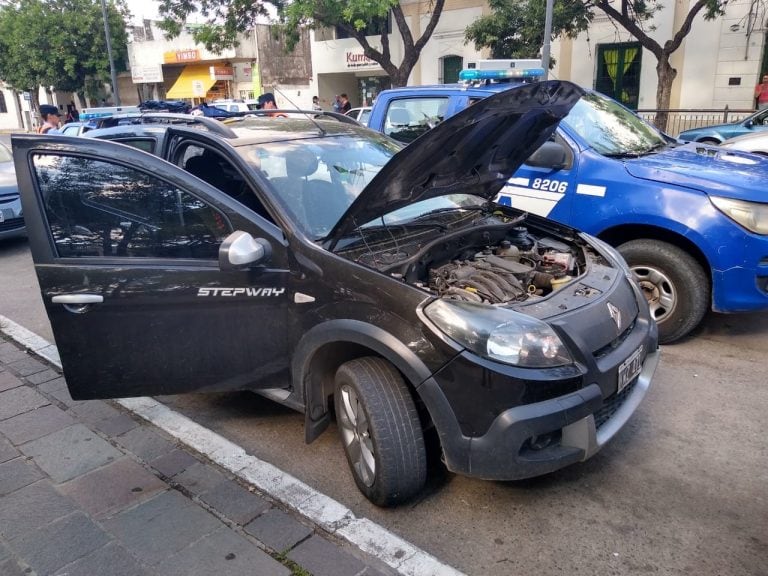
491 263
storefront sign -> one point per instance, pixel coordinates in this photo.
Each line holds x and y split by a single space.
181 56
152 74
222 73
359 60
198 88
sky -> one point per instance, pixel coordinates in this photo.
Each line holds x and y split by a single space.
144 9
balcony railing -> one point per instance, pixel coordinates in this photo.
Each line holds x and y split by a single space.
679 120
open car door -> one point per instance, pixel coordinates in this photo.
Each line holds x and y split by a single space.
131 256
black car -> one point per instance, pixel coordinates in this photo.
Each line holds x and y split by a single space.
317 263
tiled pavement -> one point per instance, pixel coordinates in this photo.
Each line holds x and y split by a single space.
87 489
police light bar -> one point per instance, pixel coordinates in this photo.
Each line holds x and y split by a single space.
473 75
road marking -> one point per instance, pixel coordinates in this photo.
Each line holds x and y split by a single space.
322 510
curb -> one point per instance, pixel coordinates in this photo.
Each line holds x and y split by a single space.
321 510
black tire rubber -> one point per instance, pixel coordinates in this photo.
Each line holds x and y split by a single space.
689 282
395 431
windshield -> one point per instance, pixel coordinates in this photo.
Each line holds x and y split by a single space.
611 129
317 179
5 154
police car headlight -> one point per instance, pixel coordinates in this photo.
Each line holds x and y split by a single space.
499 334
752 215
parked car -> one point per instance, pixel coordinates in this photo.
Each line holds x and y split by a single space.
689 219
360 114
234 105
314 261
11 217
756 142
718 133
77 128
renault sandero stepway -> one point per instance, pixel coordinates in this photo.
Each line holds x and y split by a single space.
690 219
315 262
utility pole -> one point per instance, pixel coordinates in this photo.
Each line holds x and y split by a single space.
115 90
547 36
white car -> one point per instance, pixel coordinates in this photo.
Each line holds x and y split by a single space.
360 114
233 105
756 143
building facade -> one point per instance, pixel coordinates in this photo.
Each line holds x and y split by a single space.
181 69
339 65
718 64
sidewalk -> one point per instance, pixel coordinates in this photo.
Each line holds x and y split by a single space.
88 489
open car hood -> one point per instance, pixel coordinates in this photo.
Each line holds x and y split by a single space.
474 152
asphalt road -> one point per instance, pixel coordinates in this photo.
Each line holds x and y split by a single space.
682 489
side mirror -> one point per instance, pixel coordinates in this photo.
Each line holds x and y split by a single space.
240 249
749 123
549 155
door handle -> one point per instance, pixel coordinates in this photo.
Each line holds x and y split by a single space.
78 299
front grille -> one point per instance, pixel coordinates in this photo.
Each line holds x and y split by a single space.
11 224
612 404
615 343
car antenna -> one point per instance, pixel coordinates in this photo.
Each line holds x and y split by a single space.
320 128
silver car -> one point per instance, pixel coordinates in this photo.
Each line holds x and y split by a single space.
11 221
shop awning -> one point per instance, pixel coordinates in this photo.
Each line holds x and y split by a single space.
194 82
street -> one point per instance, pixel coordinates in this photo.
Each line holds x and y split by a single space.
680 491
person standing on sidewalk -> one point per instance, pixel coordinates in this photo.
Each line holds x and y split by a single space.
761 93
51 118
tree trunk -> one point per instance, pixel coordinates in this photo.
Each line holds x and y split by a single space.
666 76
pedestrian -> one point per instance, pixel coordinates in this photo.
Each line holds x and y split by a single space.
761 93
316 103
51 118
268 102
345 105
336 104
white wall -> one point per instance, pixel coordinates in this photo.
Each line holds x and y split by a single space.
447 40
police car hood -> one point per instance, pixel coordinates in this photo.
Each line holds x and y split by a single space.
714 170
473 152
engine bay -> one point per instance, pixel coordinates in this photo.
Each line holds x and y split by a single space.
493 261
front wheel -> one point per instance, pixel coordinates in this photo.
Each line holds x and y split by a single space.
674 283
380 431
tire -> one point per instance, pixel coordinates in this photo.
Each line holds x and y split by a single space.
380 431
675 285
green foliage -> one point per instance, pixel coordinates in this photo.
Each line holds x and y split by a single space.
59 43
515 28
223 19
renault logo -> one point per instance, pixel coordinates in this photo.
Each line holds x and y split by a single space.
615 314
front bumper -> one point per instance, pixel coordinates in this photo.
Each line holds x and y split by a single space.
504 452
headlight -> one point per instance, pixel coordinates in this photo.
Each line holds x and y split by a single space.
499 334
752 215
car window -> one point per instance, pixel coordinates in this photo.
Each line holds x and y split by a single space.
408 118
5 154
70 130
364 115
316 180
103 209
146 144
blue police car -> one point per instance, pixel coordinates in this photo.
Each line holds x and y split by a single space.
690 219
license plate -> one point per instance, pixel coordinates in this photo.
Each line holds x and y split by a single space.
630 368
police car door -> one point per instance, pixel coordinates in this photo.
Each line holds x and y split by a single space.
546 183
127 252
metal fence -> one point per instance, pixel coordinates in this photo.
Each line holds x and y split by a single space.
679 120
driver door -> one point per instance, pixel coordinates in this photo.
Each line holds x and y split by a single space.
126 250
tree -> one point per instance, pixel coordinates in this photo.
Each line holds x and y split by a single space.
52 43
526 19
515 28
635 15
224 19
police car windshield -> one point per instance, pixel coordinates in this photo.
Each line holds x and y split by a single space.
317 179
612 130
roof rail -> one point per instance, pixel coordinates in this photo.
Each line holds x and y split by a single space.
211 124
293 112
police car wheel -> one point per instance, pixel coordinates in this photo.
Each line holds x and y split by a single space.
675 285
380 431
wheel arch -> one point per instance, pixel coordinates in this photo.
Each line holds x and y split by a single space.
327 346
618 235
